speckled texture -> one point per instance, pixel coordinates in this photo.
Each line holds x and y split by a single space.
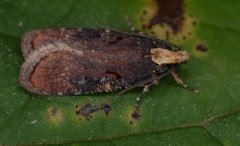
82 61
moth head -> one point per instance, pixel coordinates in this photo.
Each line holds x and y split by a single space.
165 56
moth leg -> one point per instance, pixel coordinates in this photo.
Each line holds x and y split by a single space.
179 81
145 90
137 113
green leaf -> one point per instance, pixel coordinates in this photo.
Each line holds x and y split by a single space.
171 115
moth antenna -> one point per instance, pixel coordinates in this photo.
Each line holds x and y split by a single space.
132 28
102 26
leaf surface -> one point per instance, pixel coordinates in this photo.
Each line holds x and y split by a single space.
171 115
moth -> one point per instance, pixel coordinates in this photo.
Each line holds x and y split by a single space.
83 61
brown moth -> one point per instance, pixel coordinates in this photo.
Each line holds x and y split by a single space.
83 61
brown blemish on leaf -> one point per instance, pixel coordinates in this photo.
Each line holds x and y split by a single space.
54 115
168 20
136 115
194 23
169 12
131 122
201 48
88 109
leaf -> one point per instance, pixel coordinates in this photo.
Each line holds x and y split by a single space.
171 115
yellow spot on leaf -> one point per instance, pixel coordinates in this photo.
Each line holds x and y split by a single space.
54 115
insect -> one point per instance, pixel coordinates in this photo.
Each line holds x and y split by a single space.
84 61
